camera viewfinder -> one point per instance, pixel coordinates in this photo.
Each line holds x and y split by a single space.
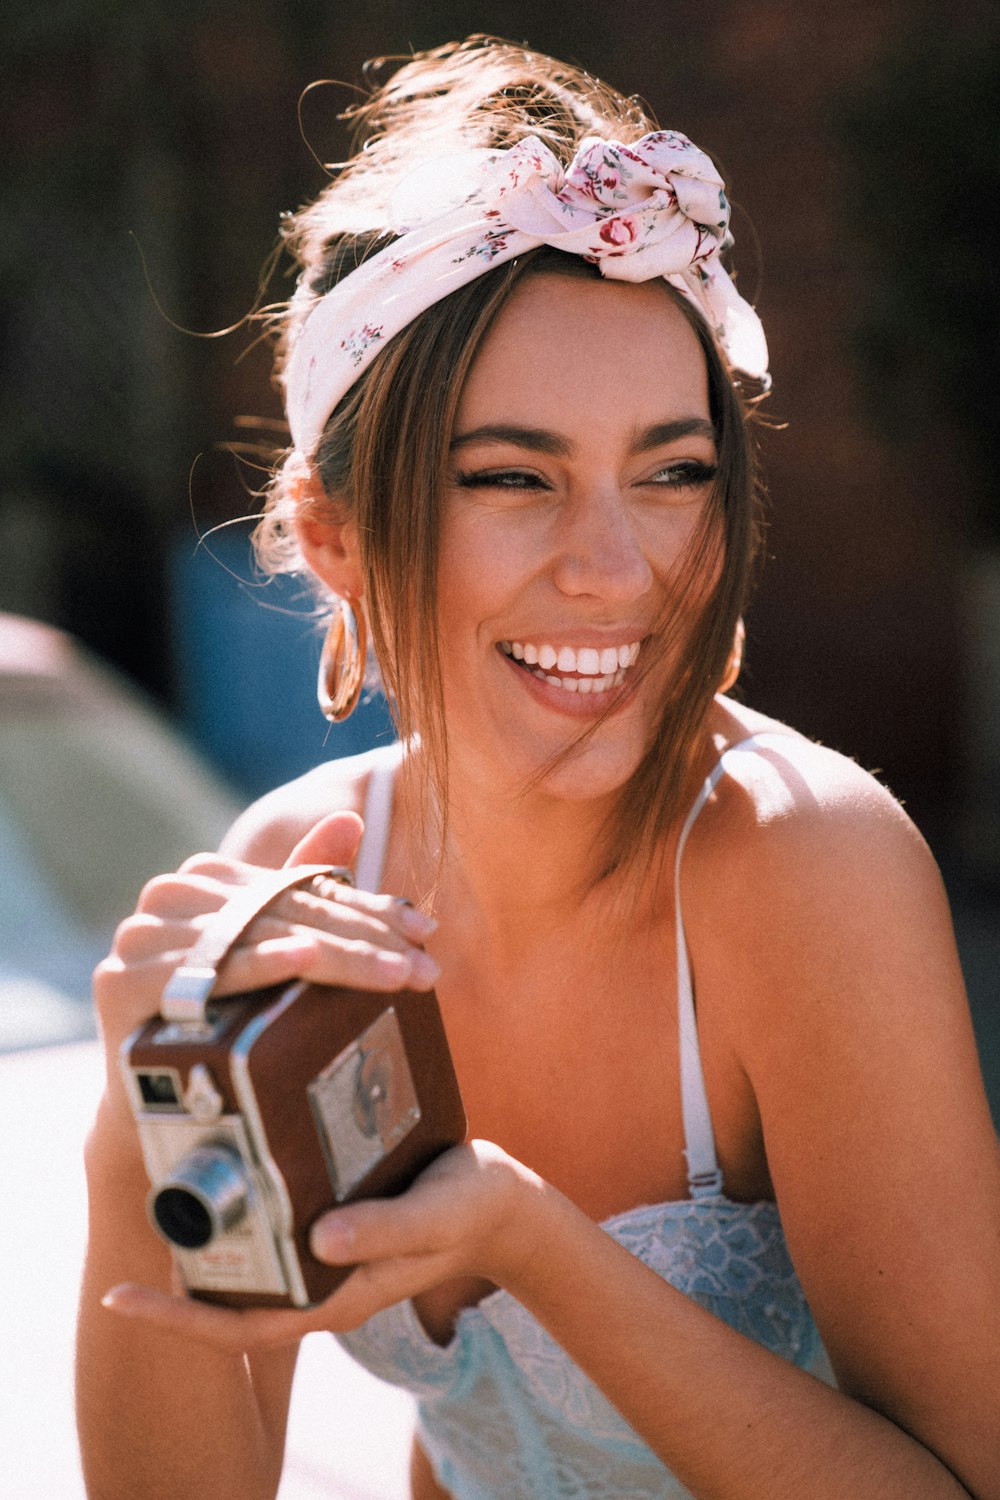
159 1090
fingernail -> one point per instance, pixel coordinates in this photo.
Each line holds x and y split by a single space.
331 1239
112 1298
423 969
416 924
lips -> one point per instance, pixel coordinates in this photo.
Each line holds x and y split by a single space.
575 669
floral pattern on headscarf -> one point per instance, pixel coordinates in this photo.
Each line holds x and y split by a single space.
654 208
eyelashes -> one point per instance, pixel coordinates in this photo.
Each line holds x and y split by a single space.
500 479
687 474
684 474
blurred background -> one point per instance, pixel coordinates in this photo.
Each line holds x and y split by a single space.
149 149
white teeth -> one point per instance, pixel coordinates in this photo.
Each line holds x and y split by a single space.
585 684
599 669
589 661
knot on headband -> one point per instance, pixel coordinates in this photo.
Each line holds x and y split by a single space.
656 208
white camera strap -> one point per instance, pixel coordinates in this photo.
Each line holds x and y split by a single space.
189 986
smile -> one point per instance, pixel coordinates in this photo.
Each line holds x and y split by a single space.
581 669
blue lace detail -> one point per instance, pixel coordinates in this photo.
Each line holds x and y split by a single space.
504 1411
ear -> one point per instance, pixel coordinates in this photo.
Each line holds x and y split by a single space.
327 535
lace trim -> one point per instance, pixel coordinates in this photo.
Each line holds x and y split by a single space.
730 1257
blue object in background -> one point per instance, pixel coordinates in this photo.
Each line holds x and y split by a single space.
246 652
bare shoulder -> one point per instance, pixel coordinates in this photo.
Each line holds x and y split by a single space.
791 810
268 830
808 876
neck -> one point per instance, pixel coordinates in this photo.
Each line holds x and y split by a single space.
516 863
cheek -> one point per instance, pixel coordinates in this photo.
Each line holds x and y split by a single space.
483 563
689 545
691 586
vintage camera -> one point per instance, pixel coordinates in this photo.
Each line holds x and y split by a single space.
258 1112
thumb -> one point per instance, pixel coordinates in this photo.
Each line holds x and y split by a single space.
332 841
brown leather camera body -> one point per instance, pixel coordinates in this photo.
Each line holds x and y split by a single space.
317 1095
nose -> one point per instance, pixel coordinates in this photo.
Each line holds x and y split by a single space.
600 551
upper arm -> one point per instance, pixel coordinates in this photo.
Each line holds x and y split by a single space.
855 1033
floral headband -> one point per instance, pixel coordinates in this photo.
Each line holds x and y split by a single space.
654 208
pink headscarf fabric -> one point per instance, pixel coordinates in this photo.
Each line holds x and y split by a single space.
654 208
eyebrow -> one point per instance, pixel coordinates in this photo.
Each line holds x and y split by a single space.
541 440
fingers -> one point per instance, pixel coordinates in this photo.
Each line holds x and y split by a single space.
345 937
225 1329
382 1229
368 1289
333 841
350 913
473 1211
331 935
148 951
204 884
305 954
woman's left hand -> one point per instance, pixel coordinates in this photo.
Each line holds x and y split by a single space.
468 1214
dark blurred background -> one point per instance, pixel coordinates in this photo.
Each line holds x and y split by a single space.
149 151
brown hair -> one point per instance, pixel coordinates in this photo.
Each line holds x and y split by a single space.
384 450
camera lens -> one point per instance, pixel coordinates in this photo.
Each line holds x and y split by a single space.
183 1218
206 1194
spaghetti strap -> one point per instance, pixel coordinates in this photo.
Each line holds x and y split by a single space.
704 1176
378 817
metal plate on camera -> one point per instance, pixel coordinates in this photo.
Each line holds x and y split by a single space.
364 1103
193 1032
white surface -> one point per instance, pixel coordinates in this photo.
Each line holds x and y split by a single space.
349 1434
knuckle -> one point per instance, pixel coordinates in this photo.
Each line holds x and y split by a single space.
106 975
121 937
200 864
136 938
155 892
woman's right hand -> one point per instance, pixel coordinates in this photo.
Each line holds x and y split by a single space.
343 937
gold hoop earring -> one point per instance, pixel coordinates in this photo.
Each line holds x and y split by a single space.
735 661
342 664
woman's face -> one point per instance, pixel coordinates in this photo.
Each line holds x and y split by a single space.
582 460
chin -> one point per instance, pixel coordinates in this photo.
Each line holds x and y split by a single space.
587 772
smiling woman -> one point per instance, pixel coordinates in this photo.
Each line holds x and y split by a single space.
568 525
519 385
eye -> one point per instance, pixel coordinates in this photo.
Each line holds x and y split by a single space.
500 479
685 473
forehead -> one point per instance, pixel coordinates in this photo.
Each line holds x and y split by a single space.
564 347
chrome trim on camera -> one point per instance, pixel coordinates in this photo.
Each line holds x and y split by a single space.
275 1187
187 992
201 1098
